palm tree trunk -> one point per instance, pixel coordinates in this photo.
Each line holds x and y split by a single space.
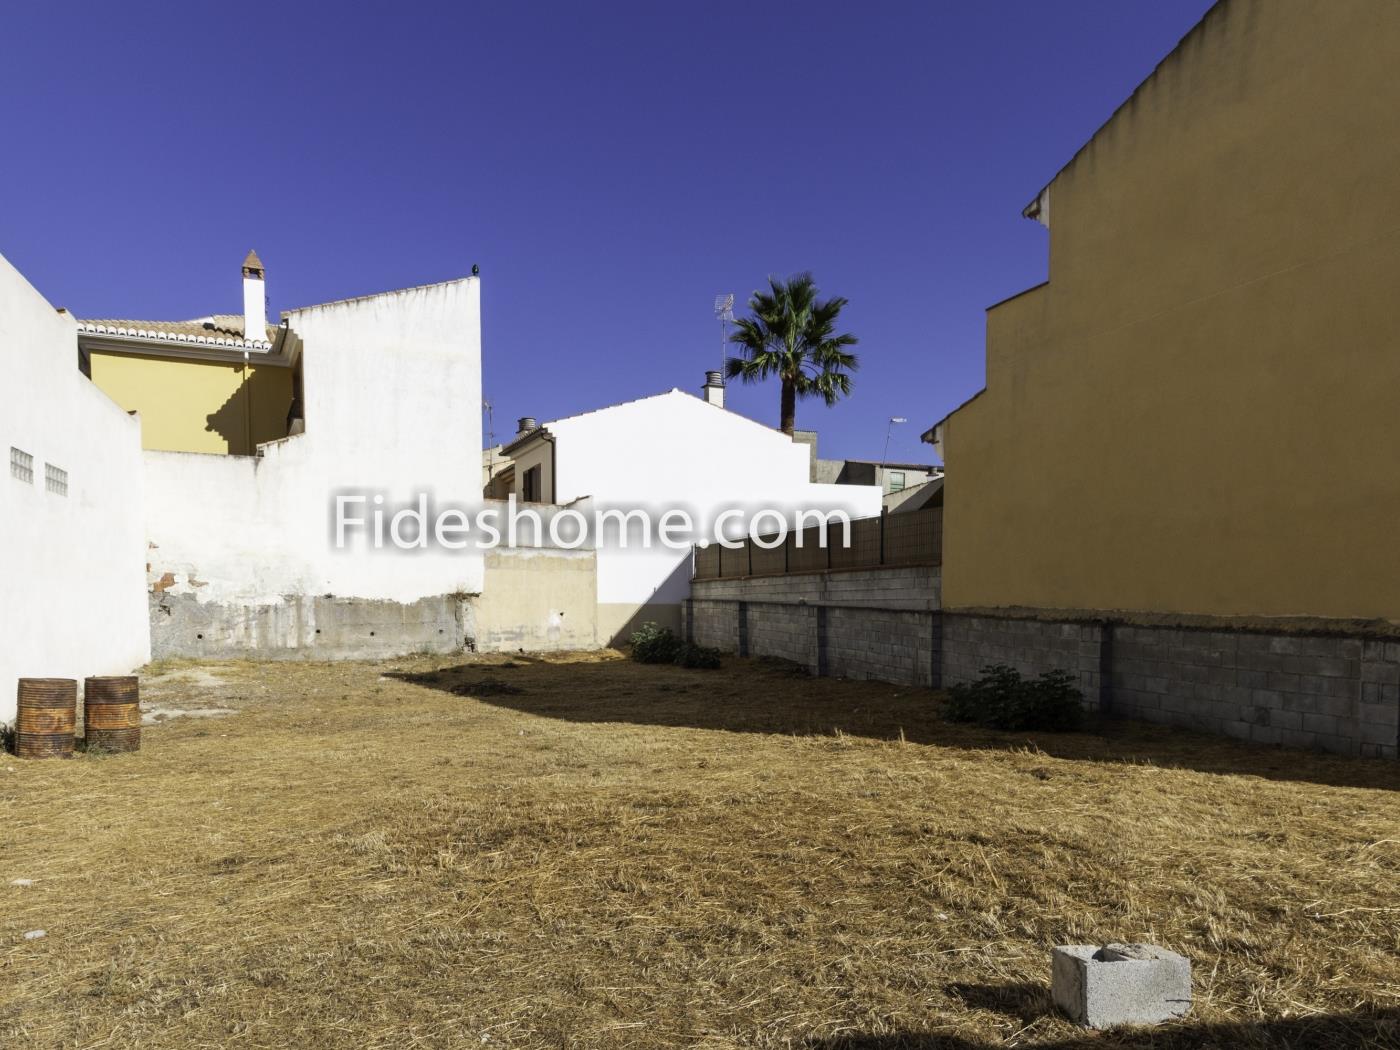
789 407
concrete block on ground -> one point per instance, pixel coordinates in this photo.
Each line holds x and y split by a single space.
1120 984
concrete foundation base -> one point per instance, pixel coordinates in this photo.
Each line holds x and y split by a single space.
310 627
1120 984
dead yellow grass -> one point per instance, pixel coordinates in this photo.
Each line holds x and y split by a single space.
583 852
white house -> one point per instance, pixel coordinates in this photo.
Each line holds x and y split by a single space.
204 460
242 558
668 450
71 526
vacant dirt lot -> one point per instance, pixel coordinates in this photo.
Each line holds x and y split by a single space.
582 852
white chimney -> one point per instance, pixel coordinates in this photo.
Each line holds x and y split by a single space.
254 299
714 388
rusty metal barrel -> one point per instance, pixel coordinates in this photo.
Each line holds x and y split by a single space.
112 713
44 719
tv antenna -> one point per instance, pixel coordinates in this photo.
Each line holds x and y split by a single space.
884 456
489 409
724 313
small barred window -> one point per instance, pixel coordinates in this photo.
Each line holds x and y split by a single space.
56 479
21 465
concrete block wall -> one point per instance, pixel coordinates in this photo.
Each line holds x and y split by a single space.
888 645
1328 692
1334 693
879 623
788 632
912 587
711 623
1032 647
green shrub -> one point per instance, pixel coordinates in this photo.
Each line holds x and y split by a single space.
697 656
653 644
1002 699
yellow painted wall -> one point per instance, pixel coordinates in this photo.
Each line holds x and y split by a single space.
1200 412
197 406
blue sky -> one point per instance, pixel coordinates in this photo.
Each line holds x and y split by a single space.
611 168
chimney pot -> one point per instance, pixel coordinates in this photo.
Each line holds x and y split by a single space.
526 424
714 388
254 299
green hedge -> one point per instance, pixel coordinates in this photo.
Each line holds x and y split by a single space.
1002 699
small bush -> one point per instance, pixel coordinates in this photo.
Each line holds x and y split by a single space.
653 644
697 656
1002 699
7 737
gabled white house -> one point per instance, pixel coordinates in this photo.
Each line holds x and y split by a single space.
668 450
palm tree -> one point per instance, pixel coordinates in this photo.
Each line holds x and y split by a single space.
792 335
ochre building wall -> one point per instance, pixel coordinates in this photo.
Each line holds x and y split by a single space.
198 406
1198 412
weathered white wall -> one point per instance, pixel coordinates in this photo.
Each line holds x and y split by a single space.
392 398
674 449
72 577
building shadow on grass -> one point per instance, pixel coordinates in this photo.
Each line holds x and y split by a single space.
1024 1001
1369 1028
776 697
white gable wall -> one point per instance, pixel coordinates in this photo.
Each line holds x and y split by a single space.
392 403
73 573
676 450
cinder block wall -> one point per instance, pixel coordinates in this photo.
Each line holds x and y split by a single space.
1338 694
712 623
905 587
1329 692
876 623
785 631
1033 647
888 645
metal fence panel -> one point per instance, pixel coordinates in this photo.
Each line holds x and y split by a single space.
912 538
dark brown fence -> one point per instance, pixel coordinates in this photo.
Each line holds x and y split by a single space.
912 538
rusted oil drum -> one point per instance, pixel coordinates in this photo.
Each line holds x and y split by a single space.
112 713
44 719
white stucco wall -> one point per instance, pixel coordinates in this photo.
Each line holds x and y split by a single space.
72 590
392 388
675 449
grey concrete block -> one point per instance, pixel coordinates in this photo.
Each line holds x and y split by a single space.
1120 984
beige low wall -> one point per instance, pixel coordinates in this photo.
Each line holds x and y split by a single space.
617 620
538 599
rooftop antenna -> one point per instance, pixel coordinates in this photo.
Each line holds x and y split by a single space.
884 456
724 313
490 427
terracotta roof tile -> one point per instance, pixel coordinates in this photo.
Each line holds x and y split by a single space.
216 326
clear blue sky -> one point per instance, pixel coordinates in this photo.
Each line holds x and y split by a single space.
610 166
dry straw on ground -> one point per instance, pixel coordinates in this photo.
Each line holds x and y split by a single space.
583 852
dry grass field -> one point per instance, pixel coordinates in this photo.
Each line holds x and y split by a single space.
583 852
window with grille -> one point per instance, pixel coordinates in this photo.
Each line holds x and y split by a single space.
56 479
896 481
21 465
